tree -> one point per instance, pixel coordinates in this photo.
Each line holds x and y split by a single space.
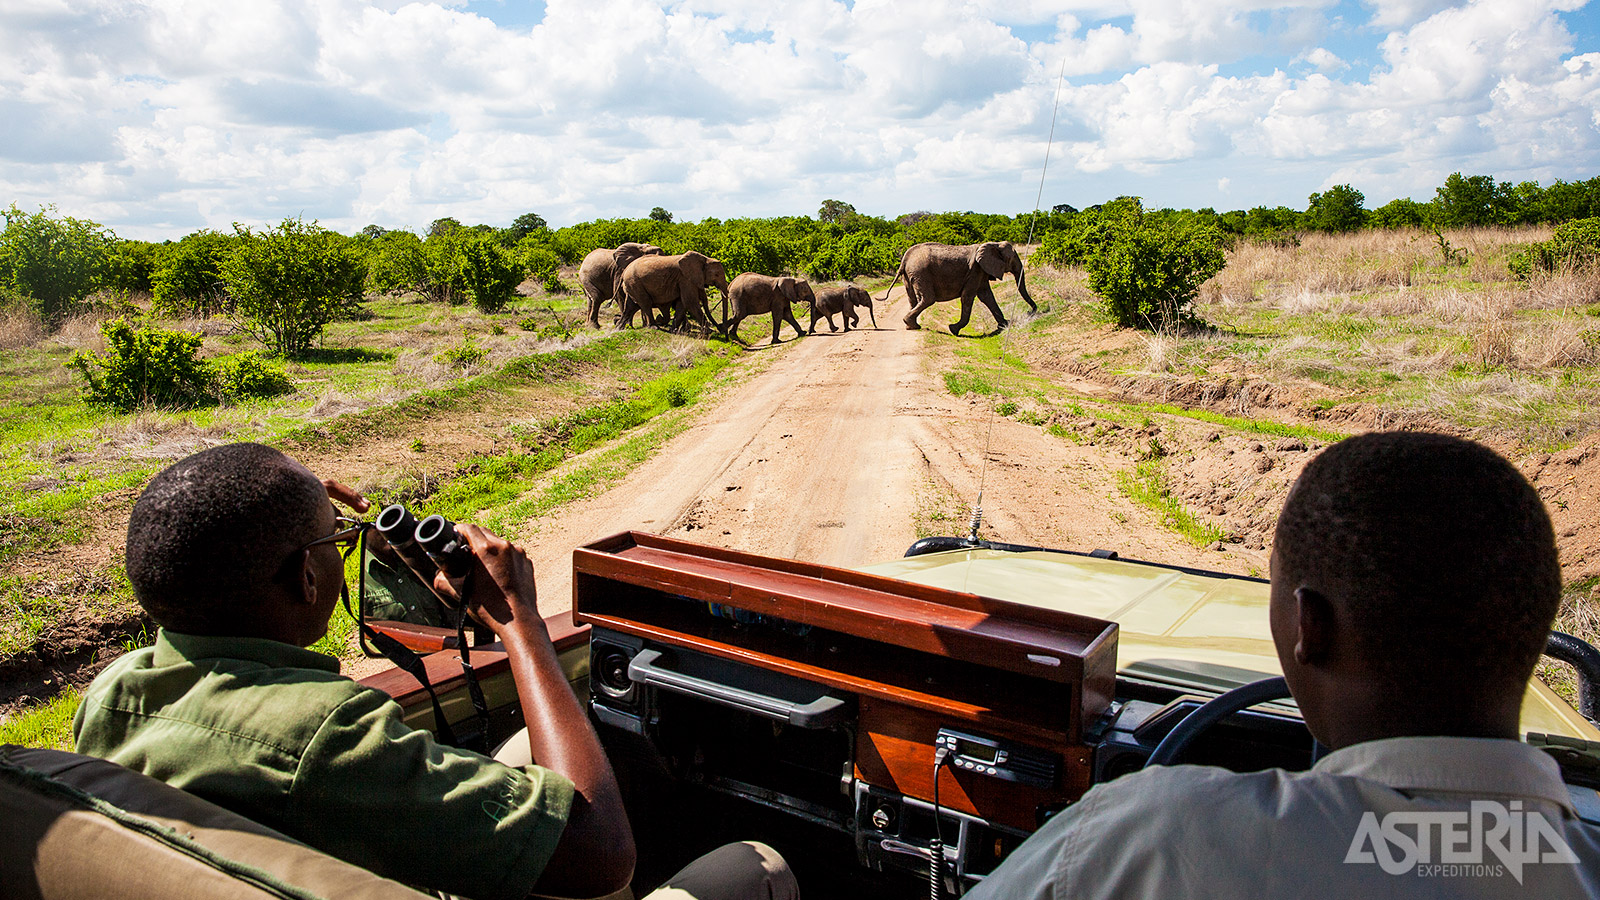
52 263
834 210
527 224
373 232
660 214
1149 269
1339 208
1063 209
443 226
1402 212
1473 200
288 282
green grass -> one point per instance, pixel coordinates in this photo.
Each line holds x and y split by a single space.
500 481
46 725
1145 484
1255 426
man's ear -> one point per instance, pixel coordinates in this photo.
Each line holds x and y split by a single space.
1314 617
305 582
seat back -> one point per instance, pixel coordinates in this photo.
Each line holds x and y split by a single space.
74 827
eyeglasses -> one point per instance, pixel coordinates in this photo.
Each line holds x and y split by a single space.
346 535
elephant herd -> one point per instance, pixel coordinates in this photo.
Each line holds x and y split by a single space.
671 289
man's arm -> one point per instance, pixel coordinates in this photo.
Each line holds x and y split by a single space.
596 853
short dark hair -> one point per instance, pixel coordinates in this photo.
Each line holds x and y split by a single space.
1437 548
211 530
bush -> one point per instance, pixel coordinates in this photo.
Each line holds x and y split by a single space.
488 273
143 366
396 263
248 374
53 264
1149 269
131 266
857 253
1574 245
289 282
189 278
461 356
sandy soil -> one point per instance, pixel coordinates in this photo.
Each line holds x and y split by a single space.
832 453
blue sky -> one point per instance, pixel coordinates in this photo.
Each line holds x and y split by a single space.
160 117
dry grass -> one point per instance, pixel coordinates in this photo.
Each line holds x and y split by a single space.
19 327
82 331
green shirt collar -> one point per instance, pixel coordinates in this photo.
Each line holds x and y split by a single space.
173 648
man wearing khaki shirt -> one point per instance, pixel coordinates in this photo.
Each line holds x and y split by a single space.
1414 581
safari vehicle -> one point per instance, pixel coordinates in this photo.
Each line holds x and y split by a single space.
889 729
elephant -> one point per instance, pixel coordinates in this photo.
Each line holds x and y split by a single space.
678 283
841 298
600 275
936 272
753 294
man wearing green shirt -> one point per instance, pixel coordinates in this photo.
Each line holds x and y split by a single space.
234 552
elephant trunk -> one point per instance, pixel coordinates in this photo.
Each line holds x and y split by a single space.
1022 287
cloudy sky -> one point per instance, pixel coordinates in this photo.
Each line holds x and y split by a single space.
157 118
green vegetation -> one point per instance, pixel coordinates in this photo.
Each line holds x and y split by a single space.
288 282
1148 269
48 725
1146 485
52 264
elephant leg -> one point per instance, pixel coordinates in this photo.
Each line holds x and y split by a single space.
813 329
788 315
987 296
594 310
918 308
966 315
733 327
842 316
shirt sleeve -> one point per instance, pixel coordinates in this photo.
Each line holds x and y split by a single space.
384 796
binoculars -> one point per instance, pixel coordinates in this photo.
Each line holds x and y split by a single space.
427 546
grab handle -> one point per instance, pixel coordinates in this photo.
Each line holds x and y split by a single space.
812 708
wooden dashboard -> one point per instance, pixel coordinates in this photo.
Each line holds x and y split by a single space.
902 661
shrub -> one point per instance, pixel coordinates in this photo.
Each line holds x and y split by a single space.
488 273
396 263
143 366
1574 245
857 253
131 266
54 264
189 277
289 282
248 374
461 356
1149 269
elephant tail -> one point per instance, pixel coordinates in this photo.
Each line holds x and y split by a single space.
897 273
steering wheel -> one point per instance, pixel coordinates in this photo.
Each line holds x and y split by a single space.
1213 711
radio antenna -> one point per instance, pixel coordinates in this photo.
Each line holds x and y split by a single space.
1039 200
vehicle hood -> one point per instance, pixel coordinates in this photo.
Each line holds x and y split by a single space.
1196 631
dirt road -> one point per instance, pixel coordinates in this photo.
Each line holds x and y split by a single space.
833 451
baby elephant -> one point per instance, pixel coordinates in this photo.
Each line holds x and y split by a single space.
841 298
752 294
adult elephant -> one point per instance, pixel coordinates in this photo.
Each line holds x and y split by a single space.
936 272
600 275
841 298
752 295
675 284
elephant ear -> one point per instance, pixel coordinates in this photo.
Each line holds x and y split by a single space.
992 260
789 288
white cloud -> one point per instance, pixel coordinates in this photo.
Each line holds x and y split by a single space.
159 117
